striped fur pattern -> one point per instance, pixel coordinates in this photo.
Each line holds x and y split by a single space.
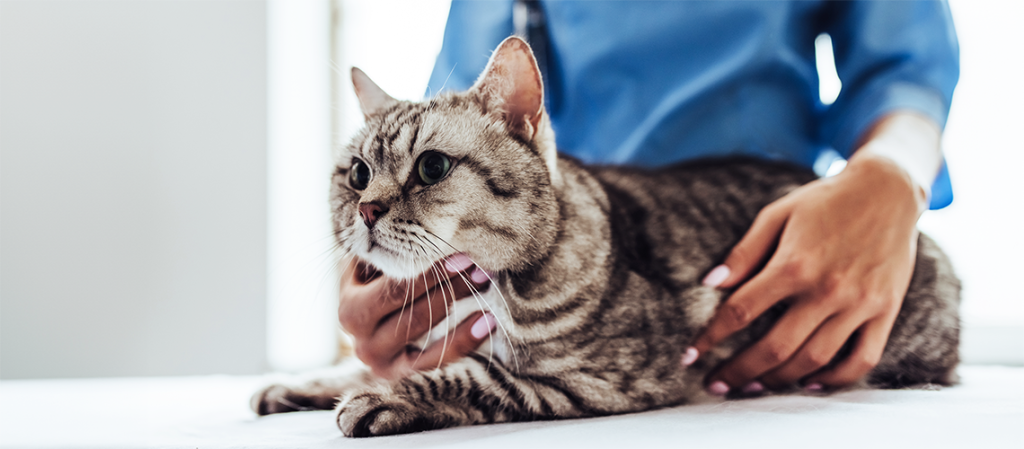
597 270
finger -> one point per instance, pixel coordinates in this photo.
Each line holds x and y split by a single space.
359 272
746 304
360 307
464 339
753 249
366 297
456 265
816 353
360 299
865 356
775 348
411 322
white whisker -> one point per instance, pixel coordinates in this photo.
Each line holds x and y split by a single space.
486 307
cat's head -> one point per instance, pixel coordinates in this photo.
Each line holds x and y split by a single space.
471 172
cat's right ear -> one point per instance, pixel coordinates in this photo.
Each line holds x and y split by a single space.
512 83
372 99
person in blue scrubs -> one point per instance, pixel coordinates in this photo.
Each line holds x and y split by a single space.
653 83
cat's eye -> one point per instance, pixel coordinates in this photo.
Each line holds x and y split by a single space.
432 167
359 175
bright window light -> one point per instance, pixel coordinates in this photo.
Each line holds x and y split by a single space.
829 84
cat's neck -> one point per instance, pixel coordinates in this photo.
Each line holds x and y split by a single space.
549 292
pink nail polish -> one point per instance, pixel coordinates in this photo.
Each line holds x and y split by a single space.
718 388
814 388
717 276
483 326
690 356
480 276
457 262
753 387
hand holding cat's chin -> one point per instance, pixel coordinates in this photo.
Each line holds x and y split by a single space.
845 255
385 316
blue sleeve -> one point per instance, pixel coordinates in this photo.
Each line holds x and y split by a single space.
891 55
473 31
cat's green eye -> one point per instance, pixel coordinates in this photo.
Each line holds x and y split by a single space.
433 166
359 175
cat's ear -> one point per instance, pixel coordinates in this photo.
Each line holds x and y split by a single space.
372 99
511 83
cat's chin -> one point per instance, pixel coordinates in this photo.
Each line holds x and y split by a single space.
395 266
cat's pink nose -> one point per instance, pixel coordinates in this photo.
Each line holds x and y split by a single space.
371 212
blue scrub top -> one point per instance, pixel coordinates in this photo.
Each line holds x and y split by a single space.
652 83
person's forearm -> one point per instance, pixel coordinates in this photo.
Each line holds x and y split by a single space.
912 142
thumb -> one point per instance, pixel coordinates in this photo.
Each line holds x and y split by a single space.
753 249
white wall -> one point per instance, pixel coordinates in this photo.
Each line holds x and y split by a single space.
982 229
395 42
133 186
302 282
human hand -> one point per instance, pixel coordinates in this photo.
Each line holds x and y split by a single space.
384 316
845 253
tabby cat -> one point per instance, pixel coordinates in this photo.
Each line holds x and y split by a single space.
596 270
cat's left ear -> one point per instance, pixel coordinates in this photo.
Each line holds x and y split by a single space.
372 99
511 83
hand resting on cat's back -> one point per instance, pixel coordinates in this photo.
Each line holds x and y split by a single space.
595 272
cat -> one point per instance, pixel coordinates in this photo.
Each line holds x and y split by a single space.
596 270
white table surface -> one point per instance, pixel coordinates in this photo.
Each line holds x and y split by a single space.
985 411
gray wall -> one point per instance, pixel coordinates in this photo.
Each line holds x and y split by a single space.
132 188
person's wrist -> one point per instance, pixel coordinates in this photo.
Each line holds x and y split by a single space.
909 141
884 172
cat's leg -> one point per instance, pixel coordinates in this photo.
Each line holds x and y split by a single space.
474 390
318 390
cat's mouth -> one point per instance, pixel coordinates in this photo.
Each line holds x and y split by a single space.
374 243
397 257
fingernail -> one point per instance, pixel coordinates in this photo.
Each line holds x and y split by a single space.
479 275
718 388
457 263
483 326
753 387
815 387
690 356
717 276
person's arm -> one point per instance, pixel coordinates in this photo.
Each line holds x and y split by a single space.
912 142
891 56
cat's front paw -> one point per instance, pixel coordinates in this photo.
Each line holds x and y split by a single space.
282 398
379 412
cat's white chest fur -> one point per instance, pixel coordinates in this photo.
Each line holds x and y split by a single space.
490 301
